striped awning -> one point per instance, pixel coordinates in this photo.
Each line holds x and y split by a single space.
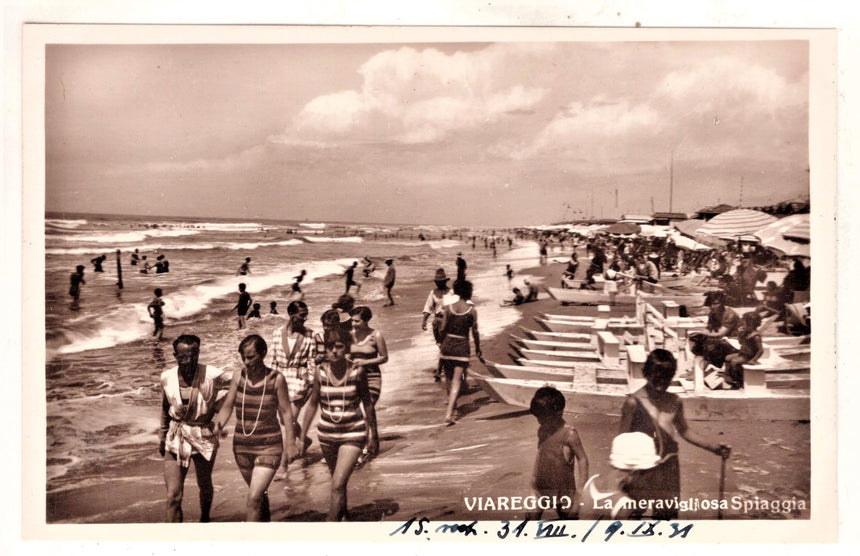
735 223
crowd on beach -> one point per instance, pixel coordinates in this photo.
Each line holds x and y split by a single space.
336 374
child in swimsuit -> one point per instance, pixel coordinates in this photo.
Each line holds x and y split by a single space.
561 464
660 414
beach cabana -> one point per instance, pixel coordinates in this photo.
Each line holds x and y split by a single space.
788 236
734 225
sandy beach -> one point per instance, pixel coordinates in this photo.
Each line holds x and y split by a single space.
428 470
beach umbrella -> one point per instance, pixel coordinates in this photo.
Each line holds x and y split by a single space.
783 235
622 228
689 227
800 231
685 242
734 225
649 230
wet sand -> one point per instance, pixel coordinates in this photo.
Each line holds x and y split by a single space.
428 470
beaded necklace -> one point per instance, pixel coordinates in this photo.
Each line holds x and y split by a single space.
259 410
331 381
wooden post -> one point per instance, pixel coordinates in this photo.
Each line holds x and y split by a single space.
118 270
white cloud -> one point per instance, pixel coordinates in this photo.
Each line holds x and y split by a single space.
725 81
246 159
416 96
594 123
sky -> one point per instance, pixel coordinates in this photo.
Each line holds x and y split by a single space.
468 134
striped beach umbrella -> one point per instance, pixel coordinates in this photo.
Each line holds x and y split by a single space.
789 236
800 231
735 224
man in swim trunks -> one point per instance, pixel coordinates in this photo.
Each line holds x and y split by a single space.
245 268
76 279
350 281
388 281
156 313
191 396
243 305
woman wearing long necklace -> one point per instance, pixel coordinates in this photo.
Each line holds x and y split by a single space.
259 395
347 418
369 351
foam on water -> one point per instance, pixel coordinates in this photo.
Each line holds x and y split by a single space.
351 239
194 246
444 243
127 323
65 224
229 226
122 237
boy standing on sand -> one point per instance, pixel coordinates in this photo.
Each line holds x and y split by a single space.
243 305
156 313
388 281
561 465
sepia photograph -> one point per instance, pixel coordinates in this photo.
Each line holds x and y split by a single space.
455 281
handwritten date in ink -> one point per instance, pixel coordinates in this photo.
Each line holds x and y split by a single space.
549 529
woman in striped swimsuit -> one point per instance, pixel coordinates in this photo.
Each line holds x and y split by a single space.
259 394
347 418
369 351
458 319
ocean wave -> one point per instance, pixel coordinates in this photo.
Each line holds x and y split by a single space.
232 246
122 237
333 239
129 323
65 224
229 226
444 243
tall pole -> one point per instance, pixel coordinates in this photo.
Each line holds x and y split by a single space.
671 179
592 201
118 270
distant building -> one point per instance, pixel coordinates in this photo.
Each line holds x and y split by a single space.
666 218
635 218
709 212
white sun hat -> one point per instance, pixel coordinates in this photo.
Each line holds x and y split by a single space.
633 450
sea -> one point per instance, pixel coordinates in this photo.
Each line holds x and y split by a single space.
102 364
